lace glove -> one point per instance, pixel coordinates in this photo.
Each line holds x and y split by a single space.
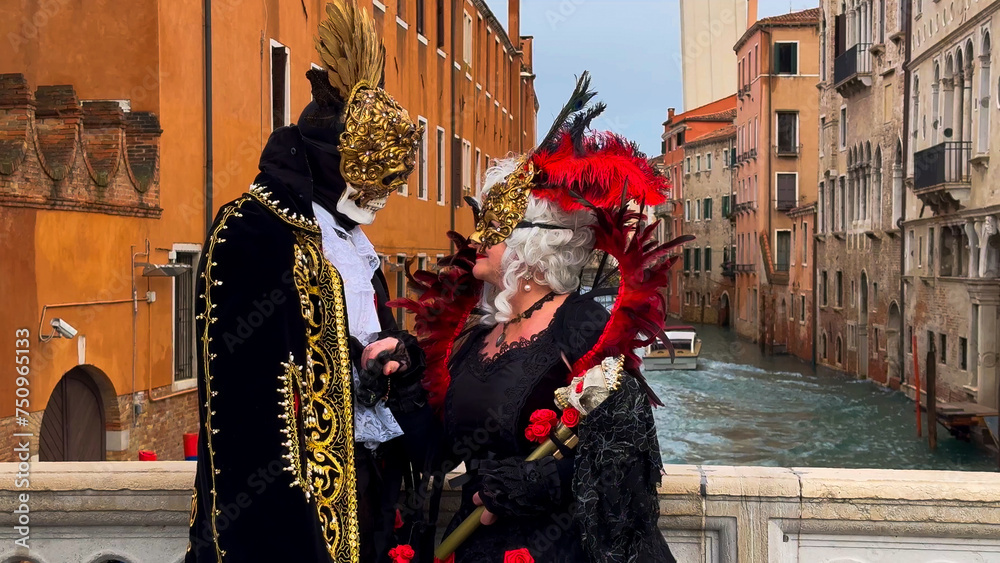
406 392
514 487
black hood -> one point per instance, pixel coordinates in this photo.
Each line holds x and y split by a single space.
305 172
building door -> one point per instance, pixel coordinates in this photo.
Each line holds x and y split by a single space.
73 423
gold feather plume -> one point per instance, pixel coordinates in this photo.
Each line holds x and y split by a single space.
349 48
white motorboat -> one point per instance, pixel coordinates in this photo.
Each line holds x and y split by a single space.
687 348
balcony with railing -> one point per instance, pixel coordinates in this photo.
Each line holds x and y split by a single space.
729 270
852 70
745 207
941 176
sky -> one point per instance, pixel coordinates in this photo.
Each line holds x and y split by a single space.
631 48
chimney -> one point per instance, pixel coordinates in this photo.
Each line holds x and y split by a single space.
670 114
751 13
514 22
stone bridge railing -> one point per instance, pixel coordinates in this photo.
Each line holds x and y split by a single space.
137 512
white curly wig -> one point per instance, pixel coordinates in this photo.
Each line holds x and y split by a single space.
553 257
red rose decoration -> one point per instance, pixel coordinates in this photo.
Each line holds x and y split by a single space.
401 553
579 387
518 556
537 432
546 416
399 521
570 417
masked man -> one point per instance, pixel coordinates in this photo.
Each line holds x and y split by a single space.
300 457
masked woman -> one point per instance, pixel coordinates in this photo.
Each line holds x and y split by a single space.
505 324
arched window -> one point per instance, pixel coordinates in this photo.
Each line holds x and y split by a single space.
916 106
984 93
866 180
840 350
935 101
876 208
969 81
948 113
822 347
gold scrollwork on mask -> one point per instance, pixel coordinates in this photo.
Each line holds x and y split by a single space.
379 144
505 206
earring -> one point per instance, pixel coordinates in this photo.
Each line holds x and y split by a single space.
527 286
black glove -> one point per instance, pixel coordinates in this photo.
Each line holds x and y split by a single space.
374 384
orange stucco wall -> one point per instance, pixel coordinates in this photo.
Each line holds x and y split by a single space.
152 54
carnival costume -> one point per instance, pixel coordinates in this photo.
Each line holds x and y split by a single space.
596 502
294 431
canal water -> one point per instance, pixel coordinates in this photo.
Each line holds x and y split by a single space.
742 408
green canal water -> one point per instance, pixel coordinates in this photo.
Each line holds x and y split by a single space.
741 408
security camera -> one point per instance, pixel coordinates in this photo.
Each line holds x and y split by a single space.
64 329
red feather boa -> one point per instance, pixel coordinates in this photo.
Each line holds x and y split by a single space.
441 310
640 310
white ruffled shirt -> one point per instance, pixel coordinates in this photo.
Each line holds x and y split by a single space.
355 258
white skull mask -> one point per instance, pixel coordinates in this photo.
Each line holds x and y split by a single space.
360 215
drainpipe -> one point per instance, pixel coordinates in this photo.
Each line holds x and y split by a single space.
902 203
209 164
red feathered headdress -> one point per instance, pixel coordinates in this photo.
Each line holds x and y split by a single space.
602 172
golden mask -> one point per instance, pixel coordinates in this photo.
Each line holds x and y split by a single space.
504 206
379 144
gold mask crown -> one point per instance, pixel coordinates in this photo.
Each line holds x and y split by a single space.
379 144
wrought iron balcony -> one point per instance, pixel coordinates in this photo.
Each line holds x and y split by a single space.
746 268
746 206
729 270
941 175
852 70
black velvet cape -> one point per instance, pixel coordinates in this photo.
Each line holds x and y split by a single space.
278 477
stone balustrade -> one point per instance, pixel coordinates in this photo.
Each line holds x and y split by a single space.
137 512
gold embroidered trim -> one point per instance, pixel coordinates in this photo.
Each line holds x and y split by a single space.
261 194
292 381
208 356
326 472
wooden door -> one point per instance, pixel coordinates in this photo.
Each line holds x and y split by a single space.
73 423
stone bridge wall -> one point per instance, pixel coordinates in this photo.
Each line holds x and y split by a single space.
137 512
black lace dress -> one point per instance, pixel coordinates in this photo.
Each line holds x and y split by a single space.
487 409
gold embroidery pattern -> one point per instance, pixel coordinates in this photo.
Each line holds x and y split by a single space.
261 194
327 471
207 357
292 382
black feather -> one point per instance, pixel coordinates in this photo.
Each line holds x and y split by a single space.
578 126
577 102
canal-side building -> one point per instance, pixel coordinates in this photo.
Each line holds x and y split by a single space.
113 164
678 163
707 268
860 188
951 260
776 163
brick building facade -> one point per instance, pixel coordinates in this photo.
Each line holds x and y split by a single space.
951 258
858 242
677 130
776 141
707 265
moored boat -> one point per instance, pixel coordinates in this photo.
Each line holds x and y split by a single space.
687 348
